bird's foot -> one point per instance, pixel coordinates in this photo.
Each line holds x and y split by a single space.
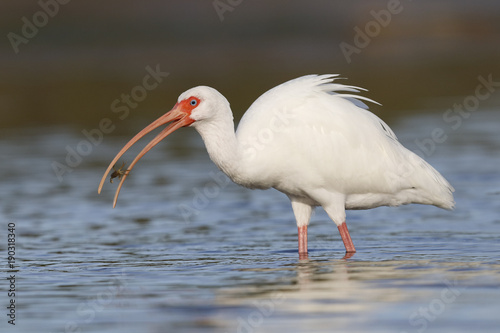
303 256
348 255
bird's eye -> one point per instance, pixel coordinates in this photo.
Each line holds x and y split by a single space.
193 102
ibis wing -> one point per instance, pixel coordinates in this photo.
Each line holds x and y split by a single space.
315 136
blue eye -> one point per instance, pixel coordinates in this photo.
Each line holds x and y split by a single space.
193 102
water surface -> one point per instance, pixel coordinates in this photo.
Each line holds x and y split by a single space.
187 251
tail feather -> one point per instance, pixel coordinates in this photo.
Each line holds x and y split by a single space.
437 189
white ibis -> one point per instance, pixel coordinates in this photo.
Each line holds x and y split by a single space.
311 139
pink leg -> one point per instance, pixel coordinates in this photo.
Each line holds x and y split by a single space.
303 242
346 238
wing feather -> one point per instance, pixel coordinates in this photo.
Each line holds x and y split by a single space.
316 135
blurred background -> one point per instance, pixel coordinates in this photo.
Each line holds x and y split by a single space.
86 54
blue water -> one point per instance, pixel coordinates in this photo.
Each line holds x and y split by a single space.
183 252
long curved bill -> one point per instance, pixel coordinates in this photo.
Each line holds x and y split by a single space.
176 116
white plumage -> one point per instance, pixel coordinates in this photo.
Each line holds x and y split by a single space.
314 140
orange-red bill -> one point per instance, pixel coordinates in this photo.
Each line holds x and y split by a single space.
177 116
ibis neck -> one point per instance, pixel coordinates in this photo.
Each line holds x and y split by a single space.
221 143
